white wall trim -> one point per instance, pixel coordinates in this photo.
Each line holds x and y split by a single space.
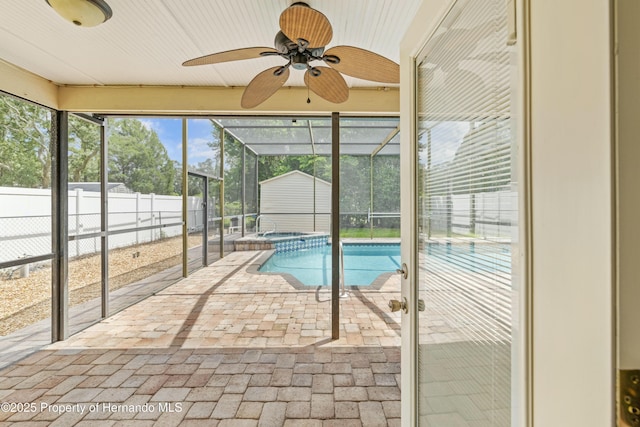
572 213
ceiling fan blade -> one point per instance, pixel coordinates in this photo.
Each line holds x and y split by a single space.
299 21
364 64
329 85
230 55
263 86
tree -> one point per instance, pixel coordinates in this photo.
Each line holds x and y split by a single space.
232 175
208 167
177 178
355 184
25 144
138 159
270 166
355 173
84 151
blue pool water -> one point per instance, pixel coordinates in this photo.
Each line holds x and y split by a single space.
362 263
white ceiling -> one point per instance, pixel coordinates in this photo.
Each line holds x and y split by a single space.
146 41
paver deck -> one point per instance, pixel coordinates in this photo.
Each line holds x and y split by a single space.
225 347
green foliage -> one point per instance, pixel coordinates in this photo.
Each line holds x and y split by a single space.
364 233
233 208
386 183
177 178
25 144
355 187
355 175
208 167
232 174
84 151
250 222
271 166
138 158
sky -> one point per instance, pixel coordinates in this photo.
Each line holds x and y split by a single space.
169 131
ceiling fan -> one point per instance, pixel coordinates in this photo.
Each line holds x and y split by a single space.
304 34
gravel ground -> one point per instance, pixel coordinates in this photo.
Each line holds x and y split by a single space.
28 300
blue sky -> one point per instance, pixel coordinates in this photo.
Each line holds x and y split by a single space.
169 131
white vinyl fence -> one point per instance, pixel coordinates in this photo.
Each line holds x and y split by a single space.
486 215
25 220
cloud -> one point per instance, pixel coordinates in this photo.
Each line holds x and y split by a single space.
149 124
199 150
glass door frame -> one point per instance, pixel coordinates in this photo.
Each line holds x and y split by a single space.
409 246
426 21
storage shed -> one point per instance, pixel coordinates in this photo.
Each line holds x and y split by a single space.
295 201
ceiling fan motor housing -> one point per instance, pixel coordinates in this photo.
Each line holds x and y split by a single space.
299 61
283 44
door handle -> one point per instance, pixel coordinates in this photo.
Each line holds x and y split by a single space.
396 305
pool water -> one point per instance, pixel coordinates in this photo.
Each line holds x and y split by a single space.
362 263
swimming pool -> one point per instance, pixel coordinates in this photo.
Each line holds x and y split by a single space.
363 263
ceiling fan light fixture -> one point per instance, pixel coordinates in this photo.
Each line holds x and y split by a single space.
83 13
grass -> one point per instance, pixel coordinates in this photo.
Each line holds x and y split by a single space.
364 233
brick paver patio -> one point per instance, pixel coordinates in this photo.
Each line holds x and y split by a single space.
225 347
